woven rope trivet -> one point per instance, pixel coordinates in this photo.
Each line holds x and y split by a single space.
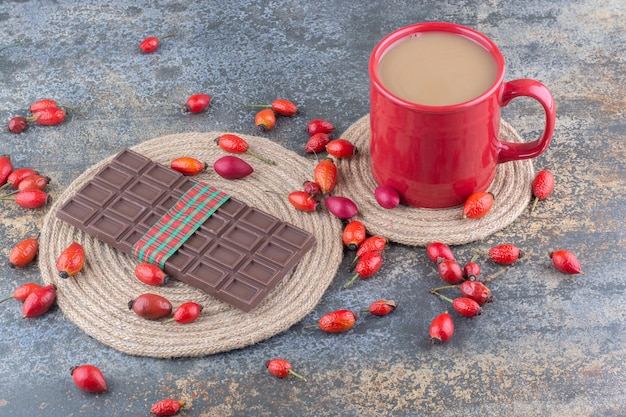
511 188
96 299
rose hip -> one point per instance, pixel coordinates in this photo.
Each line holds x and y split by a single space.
151 274
23 253
18 175
197 103
281 369
477 291
187 165
71 260
17 124
450 271
317 143
337 321
354 234
22 292
438 250
280 106
477 205
235 144
265 120
48 103
505 254
34 182
542 186
441 328
186 313
48 116
566 262
6 168
44 103
89 378
166 407
387 197
466 307
381 307
367 266
151 43
29 198
341 148
371 244
232 167
471 270
39 301
311 188
284 107
341 207
302 200
319 126
325 175
150 306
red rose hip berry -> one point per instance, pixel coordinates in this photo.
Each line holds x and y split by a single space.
89 378
441 328
566 262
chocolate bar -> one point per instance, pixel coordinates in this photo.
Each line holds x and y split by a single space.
238 254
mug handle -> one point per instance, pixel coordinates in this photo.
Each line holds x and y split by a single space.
510 151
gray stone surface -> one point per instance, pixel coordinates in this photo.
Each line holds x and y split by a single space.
551 345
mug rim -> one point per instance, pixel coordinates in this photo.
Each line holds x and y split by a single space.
404 32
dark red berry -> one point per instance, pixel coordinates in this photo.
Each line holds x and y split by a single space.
17 124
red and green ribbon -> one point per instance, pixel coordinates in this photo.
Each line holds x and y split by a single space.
172 230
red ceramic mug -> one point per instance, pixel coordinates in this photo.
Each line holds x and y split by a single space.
435 156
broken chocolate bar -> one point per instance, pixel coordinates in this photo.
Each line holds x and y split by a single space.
236 253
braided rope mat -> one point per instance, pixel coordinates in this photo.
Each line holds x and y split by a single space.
96 299
511 187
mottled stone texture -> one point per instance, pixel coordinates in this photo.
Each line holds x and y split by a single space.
550 345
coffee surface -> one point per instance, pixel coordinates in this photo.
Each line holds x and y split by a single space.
437 69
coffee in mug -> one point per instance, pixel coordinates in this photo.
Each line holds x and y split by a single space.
437 69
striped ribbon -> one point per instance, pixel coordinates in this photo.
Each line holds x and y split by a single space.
172 230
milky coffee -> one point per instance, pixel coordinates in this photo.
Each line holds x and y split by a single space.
437 69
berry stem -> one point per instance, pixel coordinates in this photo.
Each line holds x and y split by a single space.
352 280
256 155
297 375
445 287
495 274
535 201
478 252
443 297
75 110
311 326
6 299
250 106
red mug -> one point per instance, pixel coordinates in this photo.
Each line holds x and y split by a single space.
435 156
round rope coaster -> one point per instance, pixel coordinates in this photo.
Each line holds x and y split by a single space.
511 187
96 299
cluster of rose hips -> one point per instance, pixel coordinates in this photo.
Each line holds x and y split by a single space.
367 262
46 112
473 292
153 306
38 299
26 184
229 166
90 378
338 321
480 203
